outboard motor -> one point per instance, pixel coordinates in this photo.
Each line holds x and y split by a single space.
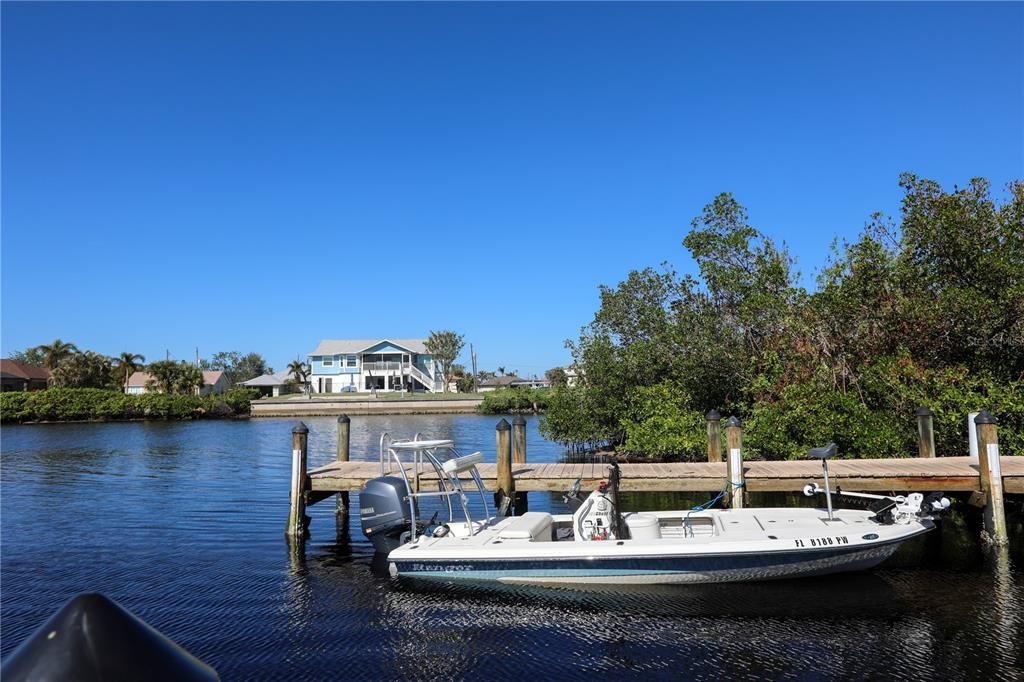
384 512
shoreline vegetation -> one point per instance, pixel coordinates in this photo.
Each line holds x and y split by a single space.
101 405
926 311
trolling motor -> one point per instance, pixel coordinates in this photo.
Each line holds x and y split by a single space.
887 509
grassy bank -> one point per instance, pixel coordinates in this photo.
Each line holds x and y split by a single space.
94 404
383 395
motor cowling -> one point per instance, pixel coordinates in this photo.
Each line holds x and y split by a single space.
384 512
595 518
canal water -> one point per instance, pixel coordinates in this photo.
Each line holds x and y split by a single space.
183 523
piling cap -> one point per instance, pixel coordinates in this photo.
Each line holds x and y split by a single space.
503 426
94 638
519 420
300 428
923 412
734 421
343 419
985 418
713 416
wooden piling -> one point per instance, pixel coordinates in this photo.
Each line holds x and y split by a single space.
344 441
925 433
297 522
734 441
991 475
714 436
519 457
503 441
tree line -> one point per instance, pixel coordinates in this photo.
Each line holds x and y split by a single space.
926 311
74 368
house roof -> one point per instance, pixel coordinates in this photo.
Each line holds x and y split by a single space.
139 378
19 370
142 378
212 377
350 346
278 379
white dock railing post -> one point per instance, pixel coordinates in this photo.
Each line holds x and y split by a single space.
297 520
734 441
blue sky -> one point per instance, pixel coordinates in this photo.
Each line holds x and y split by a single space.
256 177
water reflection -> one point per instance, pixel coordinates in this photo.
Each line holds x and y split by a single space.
184 524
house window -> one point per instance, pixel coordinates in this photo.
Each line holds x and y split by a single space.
328 361
350 361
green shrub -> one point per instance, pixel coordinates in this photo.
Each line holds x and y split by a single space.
570 419
75 404
518 399
662 422
12 405
807 416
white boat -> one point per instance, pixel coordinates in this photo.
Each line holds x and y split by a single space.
596 544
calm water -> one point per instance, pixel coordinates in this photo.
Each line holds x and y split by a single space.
183 524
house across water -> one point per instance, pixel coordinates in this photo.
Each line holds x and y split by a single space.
371 365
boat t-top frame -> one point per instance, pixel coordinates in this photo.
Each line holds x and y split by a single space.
447 463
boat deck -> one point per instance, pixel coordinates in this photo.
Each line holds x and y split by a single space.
949 474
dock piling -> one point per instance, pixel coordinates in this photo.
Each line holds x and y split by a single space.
990 471
925 433
503 441
519 457
714 436
734 441
344 440
297 520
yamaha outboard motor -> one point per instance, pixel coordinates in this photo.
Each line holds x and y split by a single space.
384 512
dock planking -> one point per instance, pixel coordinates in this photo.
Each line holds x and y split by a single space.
948 474
988 477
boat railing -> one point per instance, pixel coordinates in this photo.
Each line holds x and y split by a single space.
446 468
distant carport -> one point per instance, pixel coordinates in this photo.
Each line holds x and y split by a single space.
271 384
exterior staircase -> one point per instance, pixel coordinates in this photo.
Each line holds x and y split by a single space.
419 375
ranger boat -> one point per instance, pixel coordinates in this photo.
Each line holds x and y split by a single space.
598 543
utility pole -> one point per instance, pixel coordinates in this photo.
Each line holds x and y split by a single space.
472 359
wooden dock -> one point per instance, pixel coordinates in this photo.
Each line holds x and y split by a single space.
948 474
988 477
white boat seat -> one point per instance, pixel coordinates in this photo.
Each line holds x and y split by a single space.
534 526
460 464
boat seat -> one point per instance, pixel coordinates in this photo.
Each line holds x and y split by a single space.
534 526
460 464
824 452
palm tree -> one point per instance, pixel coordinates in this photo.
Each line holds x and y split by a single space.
298 370
55 352
501 371
128 364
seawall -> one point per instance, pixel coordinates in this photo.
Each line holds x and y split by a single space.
327 408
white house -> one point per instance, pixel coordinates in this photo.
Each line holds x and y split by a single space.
367 365
509 381
213 382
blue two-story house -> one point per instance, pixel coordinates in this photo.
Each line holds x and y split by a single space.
366 365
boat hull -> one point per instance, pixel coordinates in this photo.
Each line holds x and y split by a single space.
651 570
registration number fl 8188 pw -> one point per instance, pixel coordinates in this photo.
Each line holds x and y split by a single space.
823 542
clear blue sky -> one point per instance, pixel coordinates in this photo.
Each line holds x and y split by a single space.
256 177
